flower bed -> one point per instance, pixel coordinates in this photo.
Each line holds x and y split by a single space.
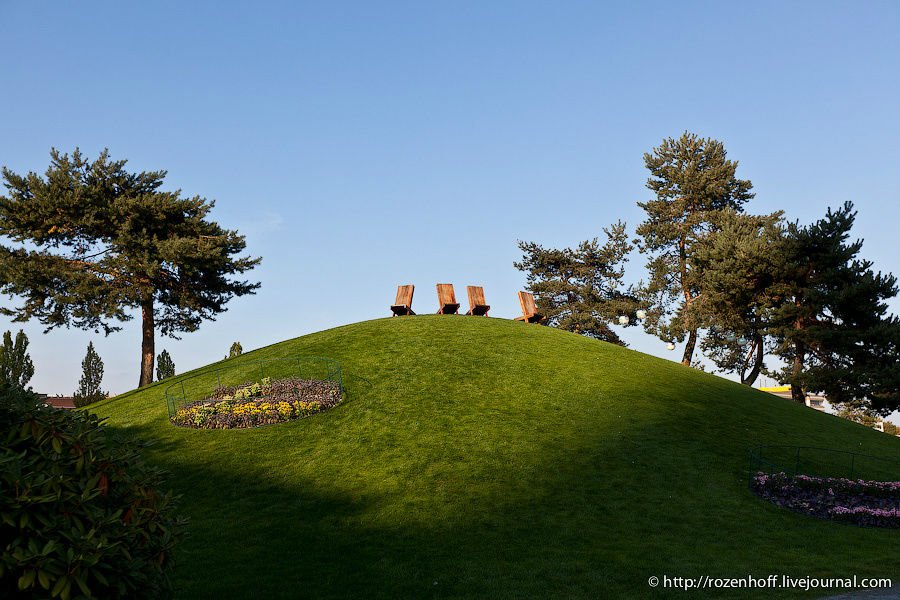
262 403
864 503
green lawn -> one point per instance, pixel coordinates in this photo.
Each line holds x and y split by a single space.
486 458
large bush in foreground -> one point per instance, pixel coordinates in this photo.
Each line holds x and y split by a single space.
81 515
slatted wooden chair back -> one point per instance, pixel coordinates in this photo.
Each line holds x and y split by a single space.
526 299
476 295
529 310
477 305
405 295
403 303
446 299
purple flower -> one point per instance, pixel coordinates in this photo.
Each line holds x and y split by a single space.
865 503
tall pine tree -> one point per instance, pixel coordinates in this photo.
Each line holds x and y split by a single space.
692 180
740 285
833 330
98 241
580 290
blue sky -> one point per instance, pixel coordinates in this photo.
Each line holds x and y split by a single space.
360 146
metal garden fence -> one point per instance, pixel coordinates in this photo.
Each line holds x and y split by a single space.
821 462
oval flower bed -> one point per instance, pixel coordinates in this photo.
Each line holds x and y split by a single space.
864 503
263 403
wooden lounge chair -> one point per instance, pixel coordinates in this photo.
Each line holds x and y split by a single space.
447 299
403 303
477 305
529 311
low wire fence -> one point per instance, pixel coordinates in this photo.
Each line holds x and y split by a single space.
821 462
200 386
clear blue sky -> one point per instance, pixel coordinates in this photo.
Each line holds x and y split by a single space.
364 145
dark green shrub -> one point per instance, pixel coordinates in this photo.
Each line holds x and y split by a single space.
81 515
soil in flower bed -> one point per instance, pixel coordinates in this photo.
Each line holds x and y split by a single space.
863 503
263 403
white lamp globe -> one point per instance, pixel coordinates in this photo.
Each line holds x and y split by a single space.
623 320
670 346
641 314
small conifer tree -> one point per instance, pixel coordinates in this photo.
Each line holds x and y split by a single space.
16 368
165 366
92 374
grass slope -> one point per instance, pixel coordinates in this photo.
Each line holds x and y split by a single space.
485 458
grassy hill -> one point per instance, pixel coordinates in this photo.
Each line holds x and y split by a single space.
486 458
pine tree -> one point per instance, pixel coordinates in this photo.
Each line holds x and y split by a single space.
235 350
91 376
692 181
16 368
99 241
741 266
581 290
833 330
165 366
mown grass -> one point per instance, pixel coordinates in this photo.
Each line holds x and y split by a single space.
485 458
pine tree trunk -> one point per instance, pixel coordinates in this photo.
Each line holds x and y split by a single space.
692 336
689 348
797 394
147 343
757 361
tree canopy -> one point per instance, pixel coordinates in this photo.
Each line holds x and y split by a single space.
740 285
833 330
581 290
94 241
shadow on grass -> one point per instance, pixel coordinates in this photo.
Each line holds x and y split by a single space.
593 517
251 537
429 488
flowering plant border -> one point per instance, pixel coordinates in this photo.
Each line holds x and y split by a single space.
856 501
272 402
860 502
306 385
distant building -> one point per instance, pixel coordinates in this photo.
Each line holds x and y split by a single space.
59 401
56 401
784 391
816 402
